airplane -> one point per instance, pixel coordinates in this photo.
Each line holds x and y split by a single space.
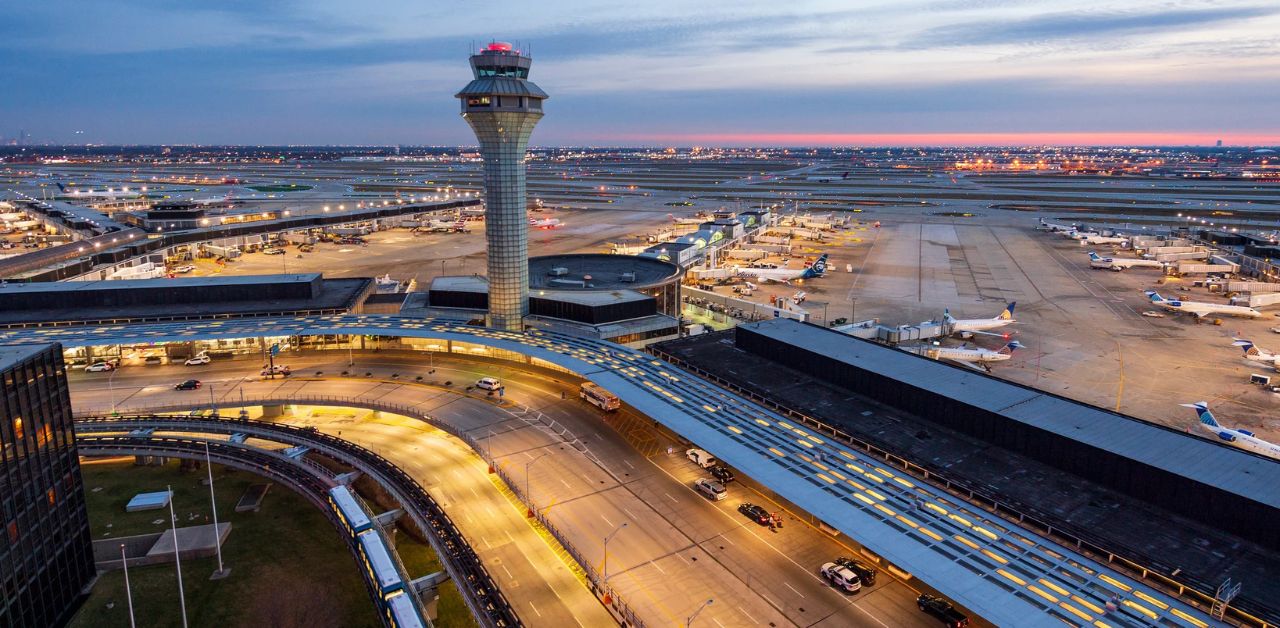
978 358
109 193
1244 439
1255 353
1202 309
1051 227
1094 238
690 220
980 325
785 275
1119 263
545 223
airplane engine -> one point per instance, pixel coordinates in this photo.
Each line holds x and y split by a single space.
1246 432
1230 438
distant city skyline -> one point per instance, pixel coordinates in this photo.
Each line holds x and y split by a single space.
750 73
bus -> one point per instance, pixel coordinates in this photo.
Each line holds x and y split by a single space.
599 397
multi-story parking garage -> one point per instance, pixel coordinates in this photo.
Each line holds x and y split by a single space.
1008 574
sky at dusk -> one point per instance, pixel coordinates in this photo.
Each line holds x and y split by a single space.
659 72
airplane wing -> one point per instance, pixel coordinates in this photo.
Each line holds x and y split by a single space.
981 367
992 333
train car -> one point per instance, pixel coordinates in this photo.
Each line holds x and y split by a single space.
401 612
379 563
349 511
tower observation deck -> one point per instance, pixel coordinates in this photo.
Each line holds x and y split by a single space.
502 106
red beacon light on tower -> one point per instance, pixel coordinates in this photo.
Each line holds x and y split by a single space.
499 46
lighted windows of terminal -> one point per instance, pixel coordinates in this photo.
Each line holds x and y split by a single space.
17 428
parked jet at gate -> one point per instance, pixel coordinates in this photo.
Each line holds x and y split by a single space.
786 274
1054 228
1093 238
977 358
980 325
1244 439
1255 353
1202 309
545 223
1120 263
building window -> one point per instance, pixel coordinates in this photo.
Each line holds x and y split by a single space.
52 496
13 532
17 428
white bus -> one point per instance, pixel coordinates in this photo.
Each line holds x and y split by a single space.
599 397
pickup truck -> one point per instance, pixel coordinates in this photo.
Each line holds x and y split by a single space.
942 610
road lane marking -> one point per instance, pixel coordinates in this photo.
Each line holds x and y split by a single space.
670 497
606 520
655 566
535 608
747 615
793 589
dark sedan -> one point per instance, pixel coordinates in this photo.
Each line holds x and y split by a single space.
190 384
755 513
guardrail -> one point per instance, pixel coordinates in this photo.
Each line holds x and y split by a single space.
468 572
985 497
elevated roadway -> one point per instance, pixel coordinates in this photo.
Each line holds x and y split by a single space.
1005 573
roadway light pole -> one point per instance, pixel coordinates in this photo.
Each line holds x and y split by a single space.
177 557
604 564
128 592
689 622
111 388
213 501
527 495
213 405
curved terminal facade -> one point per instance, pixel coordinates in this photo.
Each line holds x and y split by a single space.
599 272
502 106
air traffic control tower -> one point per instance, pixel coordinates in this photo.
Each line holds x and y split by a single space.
502 106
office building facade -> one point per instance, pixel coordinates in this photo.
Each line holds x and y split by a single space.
46 553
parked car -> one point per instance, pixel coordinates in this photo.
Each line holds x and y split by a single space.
721 473
278 369
866 573
100 367
273 251
941 609
841 577
190 384
701 458
306 248
198 360
183 269
1153 314
489 383
755 513
712 489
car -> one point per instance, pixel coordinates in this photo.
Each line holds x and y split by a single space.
755 513
306 248
866 573
198 360
278 369
100 367
841 577
701 458
184 269
1153 314
721 473
273 251
190 384
153 359
712 489
488 383
941 609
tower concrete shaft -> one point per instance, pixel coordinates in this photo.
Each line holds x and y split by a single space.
502 106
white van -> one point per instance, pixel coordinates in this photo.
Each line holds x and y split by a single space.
488 383
714 490
701 458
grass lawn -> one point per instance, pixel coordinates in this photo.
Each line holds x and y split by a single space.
420 560
289 566
290 187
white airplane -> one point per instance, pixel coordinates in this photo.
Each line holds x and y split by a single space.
1052 228
980 325
785 274
1202 309
1120 263
545 223
1094 238
1254 353
1244 439
690 220
974 358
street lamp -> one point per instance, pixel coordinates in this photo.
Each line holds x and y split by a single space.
529 508
689 622
604 564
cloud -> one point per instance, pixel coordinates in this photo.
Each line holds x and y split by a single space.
1099 24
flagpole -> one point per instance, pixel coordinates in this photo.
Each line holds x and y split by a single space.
177 558
127 591
213 501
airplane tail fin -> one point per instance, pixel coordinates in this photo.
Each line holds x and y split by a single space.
62 188
1202 411
1009 348
946 315
1007 314
819 267
1248 347
1093 256
1155 296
